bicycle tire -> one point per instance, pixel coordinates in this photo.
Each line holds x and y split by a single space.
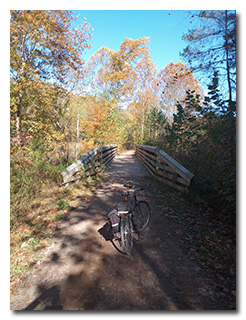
141 216
126 231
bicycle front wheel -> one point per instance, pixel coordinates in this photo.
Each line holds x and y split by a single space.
141 216
126 230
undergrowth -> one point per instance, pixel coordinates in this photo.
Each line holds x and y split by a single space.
47 208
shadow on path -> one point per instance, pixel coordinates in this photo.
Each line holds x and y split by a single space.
84 270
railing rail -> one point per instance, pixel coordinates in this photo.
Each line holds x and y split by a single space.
164 168
93 162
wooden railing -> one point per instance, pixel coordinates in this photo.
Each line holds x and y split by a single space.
91 163
164 168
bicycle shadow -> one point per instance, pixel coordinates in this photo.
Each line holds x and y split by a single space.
108 235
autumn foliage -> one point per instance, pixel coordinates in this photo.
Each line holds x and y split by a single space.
61 107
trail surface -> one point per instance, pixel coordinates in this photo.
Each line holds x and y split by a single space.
84 270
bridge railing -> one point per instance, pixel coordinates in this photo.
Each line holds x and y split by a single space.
93 162
164 168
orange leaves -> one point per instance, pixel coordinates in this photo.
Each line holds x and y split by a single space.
136 54
176 79
103 123
97 113
125 71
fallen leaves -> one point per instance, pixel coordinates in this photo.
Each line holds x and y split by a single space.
179 233
205 239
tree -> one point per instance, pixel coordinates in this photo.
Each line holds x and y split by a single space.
121 74
124 77
212 46
104 123
70 125
139 109
173 82
43 47
205 143
155 127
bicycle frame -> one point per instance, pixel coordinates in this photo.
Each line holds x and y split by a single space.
133 199
134 217
133 202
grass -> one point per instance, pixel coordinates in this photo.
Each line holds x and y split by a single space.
30 239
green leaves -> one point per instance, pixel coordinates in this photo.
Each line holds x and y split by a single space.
203 138
212 47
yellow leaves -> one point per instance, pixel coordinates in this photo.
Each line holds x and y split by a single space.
86 146
28 16
177 79
13 149
13 107
124 70
103 124
49 32
96 114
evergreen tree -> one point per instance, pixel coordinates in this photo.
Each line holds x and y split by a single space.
212 46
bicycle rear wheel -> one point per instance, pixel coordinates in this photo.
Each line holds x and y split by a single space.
141 216
126 230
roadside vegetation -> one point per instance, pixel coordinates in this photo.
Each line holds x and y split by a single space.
30 239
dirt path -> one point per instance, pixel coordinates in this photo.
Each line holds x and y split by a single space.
84 271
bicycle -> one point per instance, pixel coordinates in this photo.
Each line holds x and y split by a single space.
131 215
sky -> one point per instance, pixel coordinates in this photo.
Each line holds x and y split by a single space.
164 27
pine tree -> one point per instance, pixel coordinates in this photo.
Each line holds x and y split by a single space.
212 46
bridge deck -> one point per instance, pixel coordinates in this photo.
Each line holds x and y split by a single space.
127 166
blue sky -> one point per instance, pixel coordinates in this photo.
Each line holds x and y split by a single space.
164 27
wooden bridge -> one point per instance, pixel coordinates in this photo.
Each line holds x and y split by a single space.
159 164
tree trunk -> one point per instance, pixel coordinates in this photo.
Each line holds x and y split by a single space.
18 125
18 120
227 57
77 141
